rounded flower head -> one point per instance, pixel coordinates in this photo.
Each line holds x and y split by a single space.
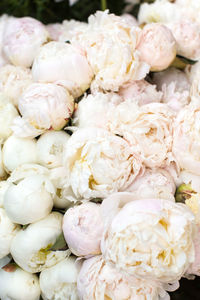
7 232
50 147
43 106
54 30
22 39
186 141
95 110
83 229
17 151
147 128
59 281
13 81
4 184
98 280
71 30
151 48
62 63
154 184
112 68
99 163
7 114
31 247
157 236
17 284
141 92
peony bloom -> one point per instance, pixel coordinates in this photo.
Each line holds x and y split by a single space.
148 129
7 114
130 19
112 68
95 110
4 184
22 39
150 239
59 281
3 22
54 30
141 92
7 232
186 143
31 247
17 151
29 199
26 170
17 284
156 183
194 268
72 29
99 163
13 81
50 147
65 64
193 71
43 107
83 229
157 46
98 280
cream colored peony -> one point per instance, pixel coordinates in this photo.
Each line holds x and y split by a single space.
17 151
112 68
141 92
98 280
59 281
13 81
54 30
157 46
3 22
150 239
22 39
156 183
16 284
72 29
83 229
7 232
31 247
194 268
43 107
148 129
4 184
65 64
99 163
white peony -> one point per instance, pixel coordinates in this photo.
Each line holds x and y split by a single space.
98 280
72 29
16 284
50 147
59 281
150 239
43 107
31 247
17 151
4 184
26 170
99 163
54 30
7 232
22 39
65 64
13 81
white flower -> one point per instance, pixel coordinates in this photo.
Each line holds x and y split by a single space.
72 29
194 268
83 229
16 284
147 128
156 183
43 107
13 81
112 68
59 281
150 239
54 30
98 280
186 141
140 91
7 114
22 39
62 63
99 163
193 71
50 147
17 151
151 48
26 170
7 232
31 247
30 199
3 174
95 110
130 19
4 184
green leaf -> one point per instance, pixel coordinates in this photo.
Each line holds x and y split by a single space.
186 60
60 243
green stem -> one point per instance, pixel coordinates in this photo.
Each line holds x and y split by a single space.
103 4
